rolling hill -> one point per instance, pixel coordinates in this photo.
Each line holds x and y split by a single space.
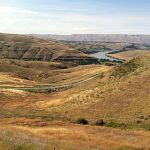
117 38
48 121
43 119
129 54
31 48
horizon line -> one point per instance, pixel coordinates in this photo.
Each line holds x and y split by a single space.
136 34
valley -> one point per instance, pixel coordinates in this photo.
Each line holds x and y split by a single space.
56 95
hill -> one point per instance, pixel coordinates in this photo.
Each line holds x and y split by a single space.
30 48
45 120
129 54
121 97
121 38
48 121
44 72
94 47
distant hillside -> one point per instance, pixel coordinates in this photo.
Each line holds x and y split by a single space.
123 38
94 47
31 48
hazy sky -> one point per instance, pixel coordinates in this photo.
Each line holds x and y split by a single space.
75 16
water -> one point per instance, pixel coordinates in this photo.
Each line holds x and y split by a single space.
103 55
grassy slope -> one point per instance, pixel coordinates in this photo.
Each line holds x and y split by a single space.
28 47
130 54
46 72
23 104
122 97
92 47
64 136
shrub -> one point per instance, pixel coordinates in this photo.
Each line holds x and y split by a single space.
99 122
82 121
126 68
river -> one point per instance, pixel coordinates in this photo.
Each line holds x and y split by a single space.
103 55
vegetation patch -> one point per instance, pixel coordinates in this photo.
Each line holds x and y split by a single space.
126 68
117 125
142 126
82 121
99 122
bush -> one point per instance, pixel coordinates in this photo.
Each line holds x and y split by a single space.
82 121
126 68
99 122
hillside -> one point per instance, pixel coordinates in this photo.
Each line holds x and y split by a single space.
121 38
121 97
35 113
129 54
31 48
94 47
48 120
44 72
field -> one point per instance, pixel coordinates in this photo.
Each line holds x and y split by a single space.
130 54
63 136
44 120
14 99
45 72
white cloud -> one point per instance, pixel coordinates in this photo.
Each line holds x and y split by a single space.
17 20
8 9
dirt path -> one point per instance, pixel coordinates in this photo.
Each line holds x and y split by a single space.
55 87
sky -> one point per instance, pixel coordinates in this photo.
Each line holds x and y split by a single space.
75 16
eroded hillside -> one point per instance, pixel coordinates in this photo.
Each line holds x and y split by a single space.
31 48
45 120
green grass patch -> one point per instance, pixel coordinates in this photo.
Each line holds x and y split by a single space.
126 68
141 126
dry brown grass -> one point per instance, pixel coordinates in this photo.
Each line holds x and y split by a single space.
130 54
68 136
25 104
23 72
32 47
121 100
44 120
97 99
12 79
